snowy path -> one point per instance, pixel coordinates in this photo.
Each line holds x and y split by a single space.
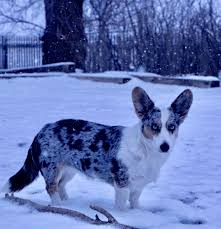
189 190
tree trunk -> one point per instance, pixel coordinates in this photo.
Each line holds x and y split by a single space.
64 39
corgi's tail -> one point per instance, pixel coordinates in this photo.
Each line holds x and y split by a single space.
28 173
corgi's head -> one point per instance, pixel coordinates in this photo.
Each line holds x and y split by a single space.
160 127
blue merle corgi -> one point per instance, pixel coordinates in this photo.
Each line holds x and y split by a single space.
127 158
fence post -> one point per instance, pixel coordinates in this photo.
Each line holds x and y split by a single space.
5 52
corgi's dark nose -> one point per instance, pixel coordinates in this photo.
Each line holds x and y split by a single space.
164 147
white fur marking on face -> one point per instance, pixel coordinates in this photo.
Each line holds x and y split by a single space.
165 114
165 136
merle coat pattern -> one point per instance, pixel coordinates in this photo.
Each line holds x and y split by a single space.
126 157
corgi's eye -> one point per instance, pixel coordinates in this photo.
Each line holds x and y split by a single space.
155 127
171 127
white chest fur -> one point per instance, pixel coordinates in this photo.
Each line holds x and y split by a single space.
143 164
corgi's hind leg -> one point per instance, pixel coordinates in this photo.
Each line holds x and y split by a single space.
52 190
67 174
52 176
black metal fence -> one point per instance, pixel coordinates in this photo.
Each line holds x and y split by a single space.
113 52
18 52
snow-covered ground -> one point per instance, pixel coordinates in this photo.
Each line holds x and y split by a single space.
188 193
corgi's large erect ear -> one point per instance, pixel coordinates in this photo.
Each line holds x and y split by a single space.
142 102
182 104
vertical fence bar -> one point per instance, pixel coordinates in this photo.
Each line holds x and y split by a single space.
5 52
1 48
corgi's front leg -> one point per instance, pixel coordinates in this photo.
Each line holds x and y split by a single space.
121 197
134 198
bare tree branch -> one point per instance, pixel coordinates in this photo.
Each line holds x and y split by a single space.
18 20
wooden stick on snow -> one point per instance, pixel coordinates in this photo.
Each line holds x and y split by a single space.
111 221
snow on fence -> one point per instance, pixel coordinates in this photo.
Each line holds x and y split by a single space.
20 52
